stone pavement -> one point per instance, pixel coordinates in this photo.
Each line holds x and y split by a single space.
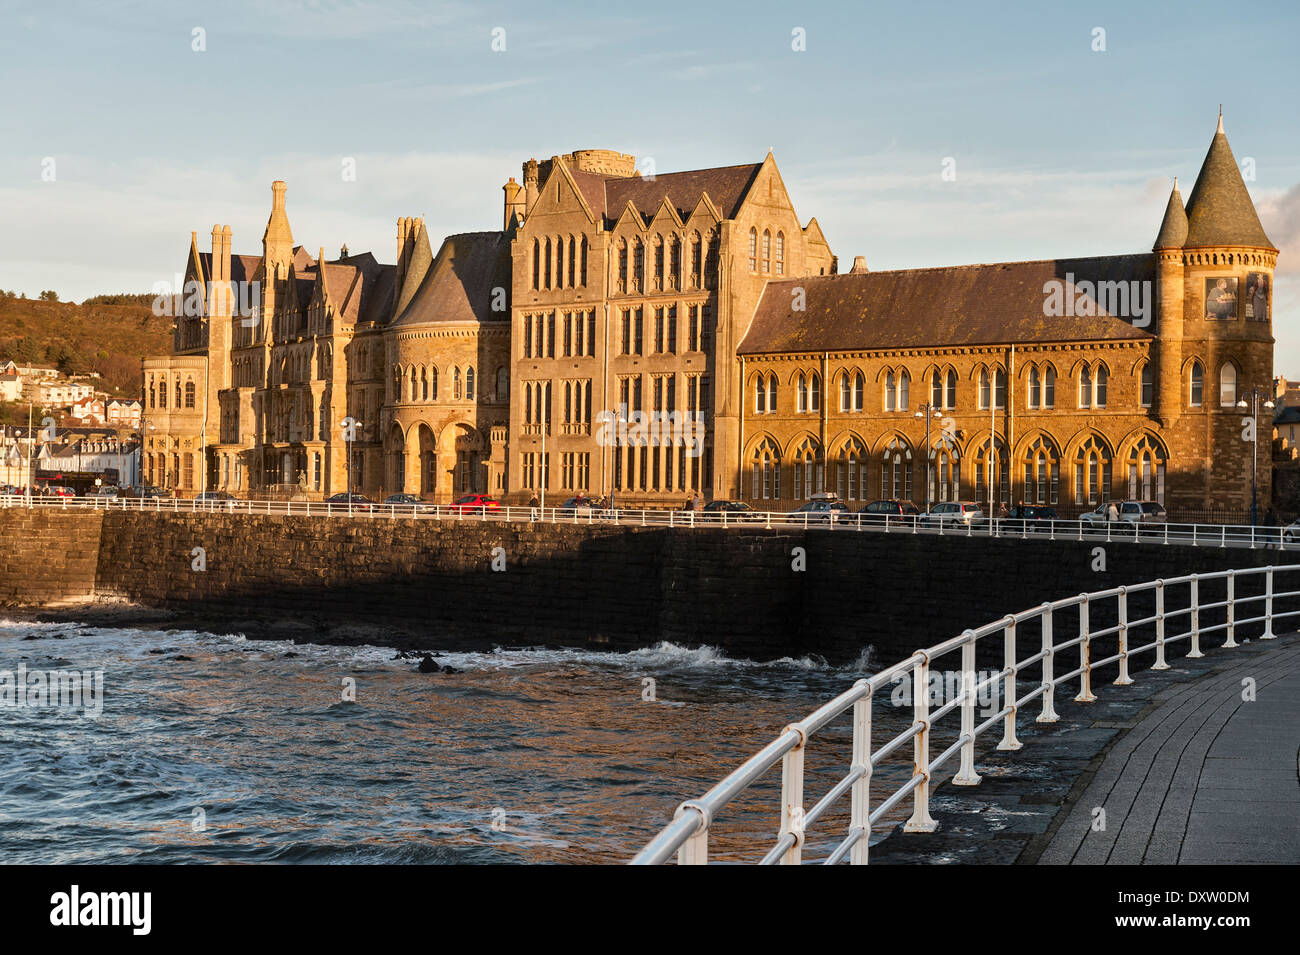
1185 769
1207 777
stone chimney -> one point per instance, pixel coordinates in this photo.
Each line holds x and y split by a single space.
514 205
530 185
407 230
859 265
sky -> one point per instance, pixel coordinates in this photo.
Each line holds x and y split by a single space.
129 124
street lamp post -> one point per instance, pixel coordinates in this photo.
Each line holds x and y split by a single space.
928 412
1254 448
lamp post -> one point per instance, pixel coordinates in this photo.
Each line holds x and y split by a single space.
928 412
1254 447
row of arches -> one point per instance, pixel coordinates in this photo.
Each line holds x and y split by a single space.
1042 470
419 383
675 261
767 252
1091 378
183 393
559 262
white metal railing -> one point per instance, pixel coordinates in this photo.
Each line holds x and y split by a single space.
1196 535
688 834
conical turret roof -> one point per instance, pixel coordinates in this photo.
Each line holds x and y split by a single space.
1173 231
1219 209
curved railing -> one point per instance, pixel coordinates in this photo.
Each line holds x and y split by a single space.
688 834
1195 535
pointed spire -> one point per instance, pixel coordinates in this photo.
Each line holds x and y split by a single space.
1220 129
320 270
1219 209
1173 230
277 226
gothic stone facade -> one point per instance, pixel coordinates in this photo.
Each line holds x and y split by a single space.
497 364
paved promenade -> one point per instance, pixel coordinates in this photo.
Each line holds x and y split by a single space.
1186 770
1206 777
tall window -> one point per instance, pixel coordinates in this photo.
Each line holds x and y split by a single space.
846 392
1092 467
469 383
945 472
1146 471
767 251
1085 387
851 471
1197 385
1228 385
1042 472
808 470
814 392
896 471
1148 385
891 383
1100 379
753 250
622 266
993 388
801 393
638 265
767 472
1035 383
999 463
760 395
771 393
780 253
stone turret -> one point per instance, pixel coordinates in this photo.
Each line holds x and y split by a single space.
1169 321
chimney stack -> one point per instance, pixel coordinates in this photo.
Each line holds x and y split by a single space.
530 185
859 265
514 205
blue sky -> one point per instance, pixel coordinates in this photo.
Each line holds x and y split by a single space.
1059 149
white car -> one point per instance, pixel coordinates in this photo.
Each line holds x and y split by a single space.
1126 512
963 513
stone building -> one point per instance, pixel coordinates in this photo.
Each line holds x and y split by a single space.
528 359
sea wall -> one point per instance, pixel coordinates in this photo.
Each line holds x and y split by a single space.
426 583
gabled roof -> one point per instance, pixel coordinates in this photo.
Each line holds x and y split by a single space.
1219 210
242 267
926 308
460 284
725 186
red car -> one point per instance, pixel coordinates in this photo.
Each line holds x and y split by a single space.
475 504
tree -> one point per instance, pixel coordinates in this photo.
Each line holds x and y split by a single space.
49 295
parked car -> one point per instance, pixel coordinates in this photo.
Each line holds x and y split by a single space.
146 491
211 496
1291 533
903 513
1126 512
55 490
475 504
824 508
357 501
950 513
729 511
108 490
407 504
581 504
1030 517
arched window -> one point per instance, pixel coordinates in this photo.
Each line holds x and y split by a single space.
771 394
1049 387
455 384
801 393
896 471
1146 471
945 471
657 282
936 388
997 466
814 392
1148 385
760 395
753 250
1035 385
1085 387
993 388
674 261
573 264
469 383
846 393
415 394
851 471
1228 386
548 264
622 266
582 266
808 470
638 265
424 383
1042 472
433 382
890 384
1197 385
859 390
1092 466
503 384
767 251
767 471
780 253
397 383
696 263
1099 385
537 263
904 387
950 389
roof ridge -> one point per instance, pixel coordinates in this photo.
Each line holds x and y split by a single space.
966 265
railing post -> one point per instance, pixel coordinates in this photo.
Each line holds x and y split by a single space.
1123 679
1161 663
921 820
1196 619
860 794
792 798
1009 740
1232 610
966 775
695 850
1085 656
1048 714
1268 606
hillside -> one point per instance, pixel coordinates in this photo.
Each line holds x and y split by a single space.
106 338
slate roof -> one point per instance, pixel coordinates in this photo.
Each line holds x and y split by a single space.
1173 230
608 196
1219 209
458 285
937 307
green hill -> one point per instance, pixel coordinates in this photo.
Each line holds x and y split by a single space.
108 334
